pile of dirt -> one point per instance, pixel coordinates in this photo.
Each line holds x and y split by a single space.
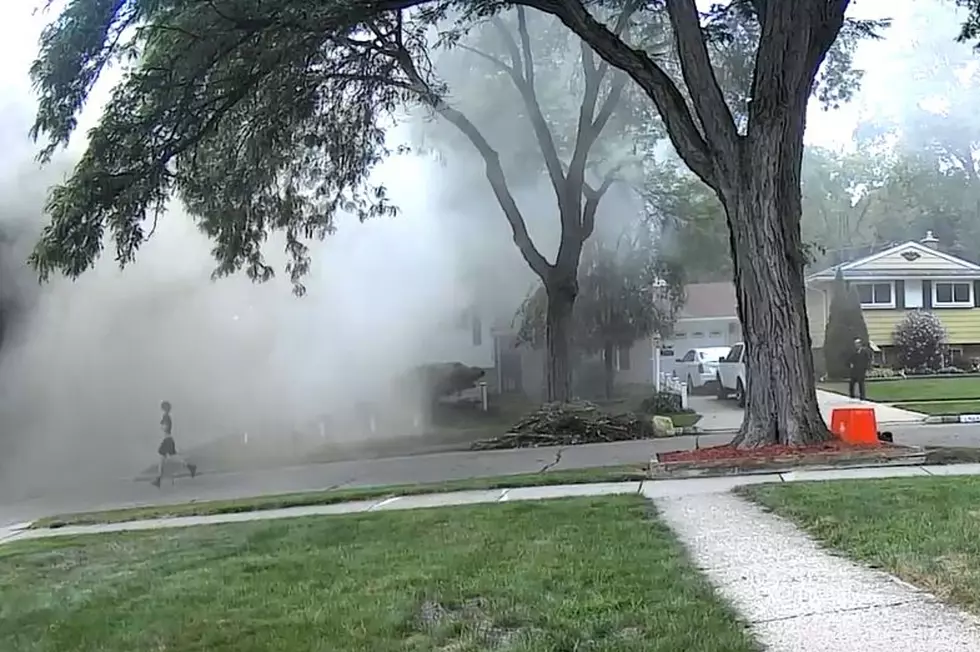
568 424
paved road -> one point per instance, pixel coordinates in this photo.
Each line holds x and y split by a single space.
401 470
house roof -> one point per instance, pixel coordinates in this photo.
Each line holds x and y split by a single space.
905 260
709 301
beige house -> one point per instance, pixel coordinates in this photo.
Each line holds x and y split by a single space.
907 276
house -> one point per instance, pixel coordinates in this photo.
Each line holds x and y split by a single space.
519 368
708 318
908 276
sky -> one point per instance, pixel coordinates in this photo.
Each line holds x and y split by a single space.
232 355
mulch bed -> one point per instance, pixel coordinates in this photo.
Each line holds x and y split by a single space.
727 459
728 452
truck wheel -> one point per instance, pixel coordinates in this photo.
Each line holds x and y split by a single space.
740 394
722 394
690 385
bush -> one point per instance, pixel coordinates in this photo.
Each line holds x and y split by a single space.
919 340
845 323
882 372
663 403
963 363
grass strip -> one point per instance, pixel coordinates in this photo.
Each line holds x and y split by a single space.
341 495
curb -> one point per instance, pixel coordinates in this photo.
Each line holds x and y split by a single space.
952 418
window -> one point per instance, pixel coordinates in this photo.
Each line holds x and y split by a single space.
680 336
735 355
945 294
714 334
697 335
623 358
875 295
689 356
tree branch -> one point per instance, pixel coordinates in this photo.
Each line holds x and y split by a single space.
499 63
592 198
655 82
526 48
589 128
494 170
709 103
786 65
525 85
609 104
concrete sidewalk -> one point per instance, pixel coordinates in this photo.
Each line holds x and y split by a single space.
798 598
885 414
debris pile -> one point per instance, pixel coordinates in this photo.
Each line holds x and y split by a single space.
568 424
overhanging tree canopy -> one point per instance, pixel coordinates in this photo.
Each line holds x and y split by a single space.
269 117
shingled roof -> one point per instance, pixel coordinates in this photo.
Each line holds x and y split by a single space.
709 301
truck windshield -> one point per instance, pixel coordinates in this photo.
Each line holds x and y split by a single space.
735 354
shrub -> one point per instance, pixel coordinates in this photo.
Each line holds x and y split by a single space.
882 372
963 363
845 323
919 340
663 403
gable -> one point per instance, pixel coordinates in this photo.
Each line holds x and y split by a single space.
908 259
911 256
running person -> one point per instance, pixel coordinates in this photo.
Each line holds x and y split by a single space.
168 448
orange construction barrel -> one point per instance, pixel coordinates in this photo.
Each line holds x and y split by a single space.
855 425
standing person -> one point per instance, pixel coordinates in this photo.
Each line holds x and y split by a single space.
859 364
168 448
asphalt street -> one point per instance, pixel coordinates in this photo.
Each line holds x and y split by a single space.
440 467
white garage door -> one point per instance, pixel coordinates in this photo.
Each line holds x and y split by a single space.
691 337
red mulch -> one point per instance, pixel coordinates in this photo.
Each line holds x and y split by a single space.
780 451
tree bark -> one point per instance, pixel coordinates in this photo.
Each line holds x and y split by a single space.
562 290
608 351
763 210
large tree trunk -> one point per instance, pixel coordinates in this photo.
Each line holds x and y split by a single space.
561 292
764 210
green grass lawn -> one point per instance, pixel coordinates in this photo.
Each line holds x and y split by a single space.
943 407
916 389
334 496
923 530
577 574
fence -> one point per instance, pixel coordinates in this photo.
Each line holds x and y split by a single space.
670 383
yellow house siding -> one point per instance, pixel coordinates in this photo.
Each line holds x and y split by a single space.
816 310
962 324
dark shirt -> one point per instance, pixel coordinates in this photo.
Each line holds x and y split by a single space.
860 362
167 424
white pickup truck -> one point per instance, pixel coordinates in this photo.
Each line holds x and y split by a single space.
731 374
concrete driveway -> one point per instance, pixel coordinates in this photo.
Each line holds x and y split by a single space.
725 415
